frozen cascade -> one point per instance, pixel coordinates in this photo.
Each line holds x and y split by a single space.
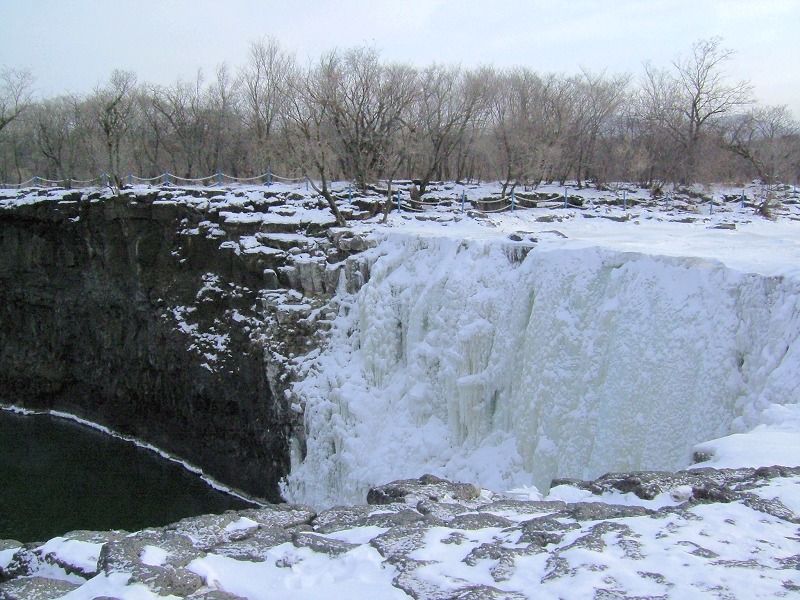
506 365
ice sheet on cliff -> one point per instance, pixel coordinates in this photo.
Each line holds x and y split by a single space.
510 363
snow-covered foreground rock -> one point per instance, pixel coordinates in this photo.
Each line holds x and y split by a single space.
693 534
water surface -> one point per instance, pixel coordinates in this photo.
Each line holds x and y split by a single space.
58 476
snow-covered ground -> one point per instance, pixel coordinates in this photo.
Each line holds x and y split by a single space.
505 349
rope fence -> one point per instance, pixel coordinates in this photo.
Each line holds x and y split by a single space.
167 178
256 179
289 179
86 182
132 178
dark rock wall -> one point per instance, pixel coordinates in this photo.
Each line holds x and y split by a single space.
92 295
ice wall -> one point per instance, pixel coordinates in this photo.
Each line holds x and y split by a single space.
508 365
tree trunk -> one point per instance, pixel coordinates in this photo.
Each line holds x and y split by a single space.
325 193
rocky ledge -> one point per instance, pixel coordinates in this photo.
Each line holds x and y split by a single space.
697 533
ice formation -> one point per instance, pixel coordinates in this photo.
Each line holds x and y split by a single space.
507 364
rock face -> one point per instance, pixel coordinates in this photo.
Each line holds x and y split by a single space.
165 316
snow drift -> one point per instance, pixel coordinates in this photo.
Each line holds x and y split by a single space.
508 364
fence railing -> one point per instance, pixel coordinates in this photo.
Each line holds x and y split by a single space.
166 178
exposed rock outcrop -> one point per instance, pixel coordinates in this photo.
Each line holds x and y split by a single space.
168 317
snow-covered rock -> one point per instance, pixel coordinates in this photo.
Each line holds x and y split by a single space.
627 537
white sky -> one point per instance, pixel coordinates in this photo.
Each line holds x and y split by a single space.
74 45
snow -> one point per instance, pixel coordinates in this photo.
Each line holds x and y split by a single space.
241 524
154 556
358 535
301 574
788 492
293 216
775 442
6 556
114 585
251 245
83 555
568 493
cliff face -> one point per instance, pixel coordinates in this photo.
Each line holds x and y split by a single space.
157 317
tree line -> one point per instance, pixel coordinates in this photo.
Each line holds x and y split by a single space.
349 115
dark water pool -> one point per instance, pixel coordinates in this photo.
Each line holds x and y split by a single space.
57 476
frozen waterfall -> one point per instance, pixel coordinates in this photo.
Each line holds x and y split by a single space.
504 364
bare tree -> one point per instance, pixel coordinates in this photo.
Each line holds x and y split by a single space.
16 89
529 120
511 155
308 127
148 136
397 157
767 138
559 112
655 123
17 150
56 135
449 103
351 115
705 94
368 103
222 112
264 83
597 99
182 106
677 107
113 106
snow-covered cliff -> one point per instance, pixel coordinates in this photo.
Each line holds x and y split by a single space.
496 349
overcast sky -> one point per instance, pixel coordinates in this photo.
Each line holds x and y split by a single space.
72 46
